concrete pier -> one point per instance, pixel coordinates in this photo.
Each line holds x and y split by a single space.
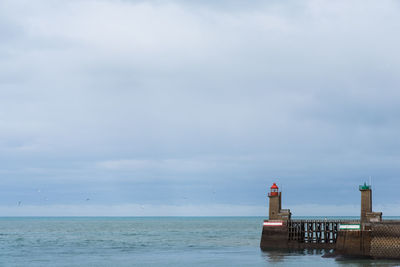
368 237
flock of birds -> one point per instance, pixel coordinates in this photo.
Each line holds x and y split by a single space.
46 199
88 199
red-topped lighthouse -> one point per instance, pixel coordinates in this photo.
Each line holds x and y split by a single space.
275 205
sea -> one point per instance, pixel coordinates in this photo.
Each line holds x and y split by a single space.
149 241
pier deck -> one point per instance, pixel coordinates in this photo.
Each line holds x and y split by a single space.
315 231
299 234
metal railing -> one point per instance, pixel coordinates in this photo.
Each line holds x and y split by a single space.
315 231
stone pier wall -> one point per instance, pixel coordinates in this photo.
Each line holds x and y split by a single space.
353 243
375 240
385 240
275 237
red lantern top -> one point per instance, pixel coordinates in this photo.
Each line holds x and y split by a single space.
274 190
274 186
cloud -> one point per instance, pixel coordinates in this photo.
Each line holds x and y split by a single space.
166 164
183 165
131 210
231 94
186 210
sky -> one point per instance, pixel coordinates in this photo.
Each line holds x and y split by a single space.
194 108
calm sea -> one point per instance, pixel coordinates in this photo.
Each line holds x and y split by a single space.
148 241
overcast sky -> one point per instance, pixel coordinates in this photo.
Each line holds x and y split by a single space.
197 107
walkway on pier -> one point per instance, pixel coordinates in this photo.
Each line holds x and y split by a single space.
316 231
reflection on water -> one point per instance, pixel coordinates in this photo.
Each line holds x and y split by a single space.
319 257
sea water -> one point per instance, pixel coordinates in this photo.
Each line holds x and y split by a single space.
149 241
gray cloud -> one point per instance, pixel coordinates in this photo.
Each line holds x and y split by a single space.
198 97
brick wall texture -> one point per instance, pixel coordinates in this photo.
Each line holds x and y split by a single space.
385 240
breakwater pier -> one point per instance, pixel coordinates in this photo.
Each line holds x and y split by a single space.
370 236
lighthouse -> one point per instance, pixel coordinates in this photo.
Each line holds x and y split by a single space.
367 215
275 205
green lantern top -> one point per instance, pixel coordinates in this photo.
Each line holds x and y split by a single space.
365 186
